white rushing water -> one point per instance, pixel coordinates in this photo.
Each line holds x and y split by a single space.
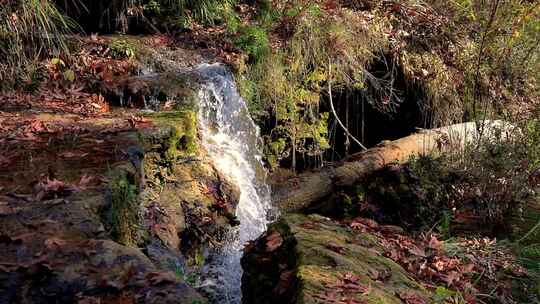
232 141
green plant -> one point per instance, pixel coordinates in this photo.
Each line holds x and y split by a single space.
287 87
230 18
178 14
206 11
529 258
29 30
180 273
532 129
447 296
254 41
497 53
197 257
444 227
122 48
123 217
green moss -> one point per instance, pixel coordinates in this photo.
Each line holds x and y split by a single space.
322 252
178 131
320 264
122 217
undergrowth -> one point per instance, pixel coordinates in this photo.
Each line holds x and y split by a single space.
29 31
487 187
254 41
121 48
285 86
529 257
175 14
453 53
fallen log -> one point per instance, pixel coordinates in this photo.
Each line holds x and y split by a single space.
300 191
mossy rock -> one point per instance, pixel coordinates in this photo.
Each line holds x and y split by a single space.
176 134
325 253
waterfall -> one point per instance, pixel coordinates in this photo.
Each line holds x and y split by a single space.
232 141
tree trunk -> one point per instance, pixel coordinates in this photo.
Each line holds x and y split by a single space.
299 192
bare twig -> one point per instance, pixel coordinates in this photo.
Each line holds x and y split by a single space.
334 111
476 90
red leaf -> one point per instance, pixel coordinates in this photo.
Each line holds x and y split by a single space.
335 247
410 297
273 241
54 241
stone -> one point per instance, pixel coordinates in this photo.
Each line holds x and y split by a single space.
316 254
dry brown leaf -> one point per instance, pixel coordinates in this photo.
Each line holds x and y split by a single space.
54 241
84 181
451 277
410 297
157 278
273 241
335 247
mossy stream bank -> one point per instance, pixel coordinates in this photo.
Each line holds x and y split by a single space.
117 208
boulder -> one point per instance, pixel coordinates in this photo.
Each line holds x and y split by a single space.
312 259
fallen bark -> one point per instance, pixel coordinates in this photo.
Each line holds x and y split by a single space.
299 192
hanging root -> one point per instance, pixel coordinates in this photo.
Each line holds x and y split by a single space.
349 135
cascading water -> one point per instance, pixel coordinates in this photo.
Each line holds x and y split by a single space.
231 139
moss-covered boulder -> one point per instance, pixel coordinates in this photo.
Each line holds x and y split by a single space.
329 264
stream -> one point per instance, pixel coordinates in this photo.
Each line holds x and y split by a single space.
232 141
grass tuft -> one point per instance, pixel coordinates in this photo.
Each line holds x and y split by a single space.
123 216
29 30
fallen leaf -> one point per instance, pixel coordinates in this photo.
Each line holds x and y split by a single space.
73 154
84 181
273 241
5 209
335 247
410 297
285 280
351 277
434 243
417 251
157 278
54 241
89 300
451 277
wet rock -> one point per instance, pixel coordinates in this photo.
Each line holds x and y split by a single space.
159 92
270 267
162 80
